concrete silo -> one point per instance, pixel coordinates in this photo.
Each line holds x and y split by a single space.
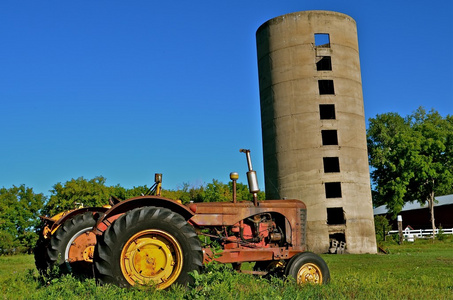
313 124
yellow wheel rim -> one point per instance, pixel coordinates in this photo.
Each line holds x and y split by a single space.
151 256
309 273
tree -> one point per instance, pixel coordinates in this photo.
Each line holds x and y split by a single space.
186 193
411 159
217 191
434 160
76 192
123 193
214 191
89 193
19 217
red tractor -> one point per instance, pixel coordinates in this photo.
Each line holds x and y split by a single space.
151 239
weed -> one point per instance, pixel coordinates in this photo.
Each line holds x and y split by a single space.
440 234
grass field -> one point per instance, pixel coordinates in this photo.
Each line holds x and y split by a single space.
420 270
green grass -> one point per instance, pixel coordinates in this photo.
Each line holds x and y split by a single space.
14 264
420 270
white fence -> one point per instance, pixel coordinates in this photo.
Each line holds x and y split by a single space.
420 233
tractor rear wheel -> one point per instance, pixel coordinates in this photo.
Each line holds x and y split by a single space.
307 267
148 245
40 255
72 245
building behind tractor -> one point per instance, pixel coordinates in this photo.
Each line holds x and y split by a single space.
153 240
313 125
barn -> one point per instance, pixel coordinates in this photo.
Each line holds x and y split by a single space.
419 217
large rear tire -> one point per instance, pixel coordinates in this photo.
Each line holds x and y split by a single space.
71 247
40 255
148 246
307 267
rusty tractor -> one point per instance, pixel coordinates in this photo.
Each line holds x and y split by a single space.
153 240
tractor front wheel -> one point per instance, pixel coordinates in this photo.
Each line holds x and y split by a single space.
148 246
307 267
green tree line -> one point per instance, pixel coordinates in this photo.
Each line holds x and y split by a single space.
21 207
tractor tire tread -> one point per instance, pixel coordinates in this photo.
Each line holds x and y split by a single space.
60 239
107 246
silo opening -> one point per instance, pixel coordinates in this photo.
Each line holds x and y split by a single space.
327 111
333 189
331 164
326 87
324 64
329 137
335 216
322 40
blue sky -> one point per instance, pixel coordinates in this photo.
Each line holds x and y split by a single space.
125 89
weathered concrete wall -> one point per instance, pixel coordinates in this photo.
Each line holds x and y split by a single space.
292 126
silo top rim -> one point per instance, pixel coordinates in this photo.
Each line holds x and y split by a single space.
305 12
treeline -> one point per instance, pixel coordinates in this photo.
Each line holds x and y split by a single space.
20 207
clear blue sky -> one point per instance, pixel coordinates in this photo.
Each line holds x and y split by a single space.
125 89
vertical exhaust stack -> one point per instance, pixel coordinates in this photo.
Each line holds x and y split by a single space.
251 177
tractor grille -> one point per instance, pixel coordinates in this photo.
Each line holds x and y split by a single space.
303 225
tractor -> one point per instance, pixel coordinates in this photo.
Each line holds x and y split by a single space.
153 240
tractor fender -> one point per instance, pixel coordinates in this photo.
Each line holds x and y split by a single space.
106 219
52 224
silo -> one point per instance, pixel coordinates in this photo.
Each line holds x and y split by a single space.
313 125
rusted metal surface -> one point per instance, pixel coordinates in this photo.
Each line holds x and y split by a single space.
272 230
250 255
82 248
104 222
228 214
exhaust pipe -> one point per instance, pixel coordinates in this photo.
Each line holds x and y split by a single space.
251 177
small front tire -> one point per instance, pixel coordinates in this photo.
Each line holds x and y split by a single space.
307 267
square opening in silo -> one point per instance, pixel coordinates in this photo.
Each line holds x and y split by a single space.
329 137
324 64
327 111
331 164
322 40
335 216
333 189
326 87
